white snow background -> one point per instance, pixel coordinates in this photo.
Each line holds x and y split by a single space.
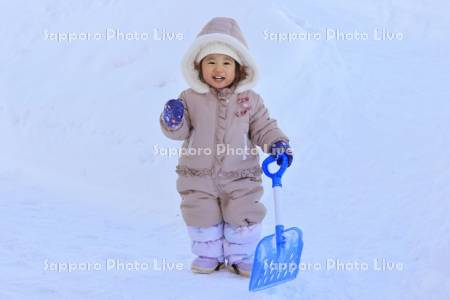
80 182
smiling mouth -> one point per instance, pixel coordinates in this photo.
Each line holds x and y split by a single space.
218 78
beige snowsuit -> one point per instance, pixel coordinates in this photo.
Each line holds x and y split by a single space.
219 169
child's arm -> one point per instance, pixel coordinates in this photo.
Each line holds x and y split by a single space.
179 130
264 131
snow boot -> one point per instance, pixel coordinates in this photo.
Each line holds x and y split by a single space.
243 268
206 265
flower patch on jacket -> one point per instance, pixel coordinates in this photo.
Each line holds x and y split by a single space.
243 106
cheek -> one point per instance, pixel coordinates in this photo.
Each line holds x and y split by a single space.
205 72
232 73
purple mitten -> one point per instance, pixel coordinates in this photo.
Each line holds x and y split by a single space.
280 147
173 113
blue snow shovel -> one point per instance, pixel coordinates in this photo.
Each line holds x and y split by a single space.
277 256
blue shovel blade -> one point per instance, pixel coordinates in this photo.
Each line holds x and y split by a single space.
275 264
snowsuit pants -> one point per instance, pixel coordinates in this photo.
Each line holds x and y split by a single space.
223 215
211 200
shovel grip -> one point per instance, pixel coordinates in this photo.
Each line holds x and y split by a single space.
276 177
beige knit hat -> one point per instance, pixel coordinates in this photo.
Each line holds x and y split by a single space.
218 48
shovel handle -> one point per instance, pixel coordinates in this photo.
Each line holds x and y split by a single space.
276 177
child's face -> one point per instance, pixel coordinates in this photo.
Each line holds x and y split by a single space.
218 70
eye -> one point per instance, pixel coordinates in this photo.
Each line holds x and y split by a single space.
227 63
211 62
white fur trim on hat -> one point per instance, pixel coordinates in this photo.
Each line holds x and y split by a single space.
217 48
191 74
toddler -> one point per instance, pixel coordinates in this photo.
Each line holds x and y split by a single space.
221 121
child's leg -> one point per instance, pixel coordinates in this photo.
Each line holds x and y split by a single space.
240 242
240 202
242 214
200 209
207 244
239 246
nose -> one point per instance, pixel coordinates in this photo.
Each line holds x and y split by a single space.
218 69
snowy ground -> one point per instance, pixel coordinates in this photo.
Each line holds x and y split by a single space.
80 182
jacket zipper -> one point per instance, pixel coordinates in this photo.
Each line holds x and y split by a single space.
244 155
